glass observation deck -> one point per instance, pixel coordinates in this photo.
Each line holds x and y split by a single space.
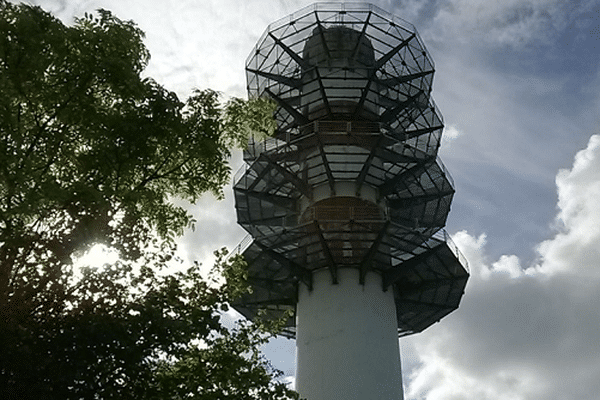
351 178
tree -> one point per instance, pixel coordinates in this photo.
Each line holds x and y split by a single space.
91 152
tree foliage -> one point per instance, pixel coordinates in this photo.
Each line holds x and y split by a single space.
91 152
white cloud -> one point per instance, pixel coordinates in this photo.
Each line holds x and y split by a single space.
450 133
510 22
576 248
524 334
508 264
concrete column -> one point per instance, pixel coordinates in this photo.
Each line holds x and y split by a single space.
347 340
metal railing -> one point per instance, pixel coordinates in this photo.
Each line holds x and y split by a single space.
445 171
286 141
239 173
241 247
341 213
444 236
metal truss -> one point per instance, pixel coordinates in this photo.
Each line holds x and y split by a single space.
351 179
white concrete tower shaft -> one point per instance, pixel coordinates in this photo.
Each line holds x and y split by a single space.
347 339
346 332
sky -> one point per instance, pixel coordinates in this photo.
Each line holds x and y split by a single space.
517 82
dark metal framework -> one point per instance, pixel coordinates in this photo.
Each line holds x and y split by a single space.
351 179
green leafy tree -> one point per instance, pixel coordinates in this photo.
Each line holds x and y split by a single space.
91 152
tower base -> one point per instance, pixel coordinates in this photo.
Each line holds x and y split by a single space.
347 339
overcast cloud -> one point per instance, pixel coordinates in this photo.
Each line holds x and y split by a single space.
517 82
524 332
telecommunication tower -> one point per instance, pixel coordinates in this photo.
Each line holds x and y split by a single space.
345 206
